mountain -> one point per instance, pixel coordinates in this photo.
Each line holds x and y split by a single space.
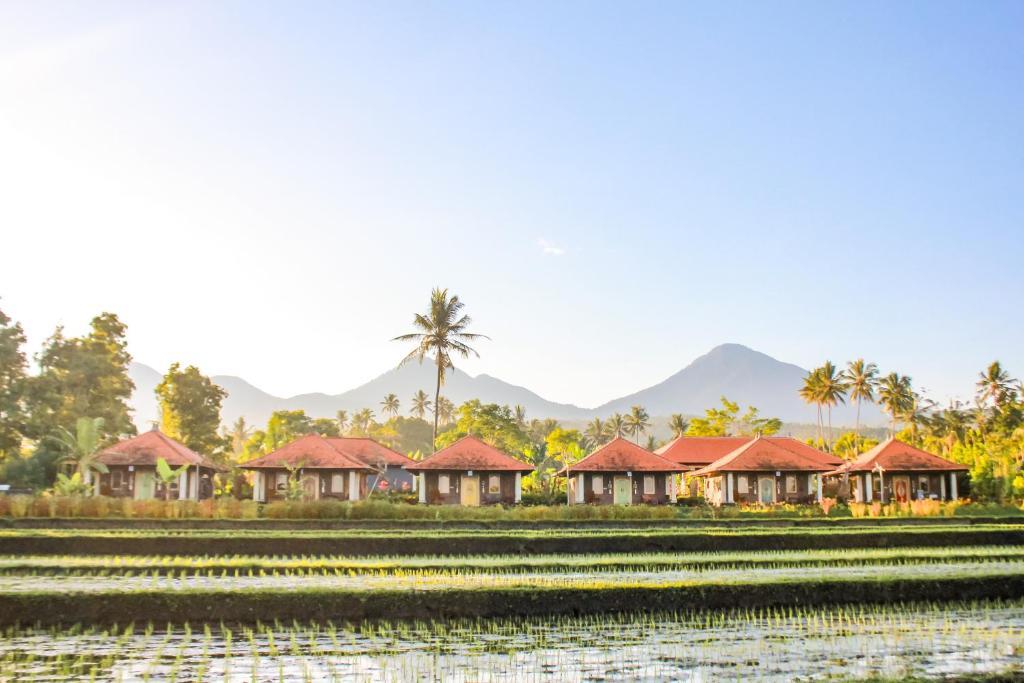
743 375
740 373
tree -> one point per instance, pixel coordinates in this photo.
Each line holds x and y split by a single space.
325 426
832 386
678 425
83 377
442 331
283 427
390 405
560 442
12 387
237 435
190 408
637 422
362 421
168 475
596 432
404 434
810 392
342 419
490 422
862 378
716 421
616 425
750 424
895 395
520 413
445 412
81 449
995 385
421 404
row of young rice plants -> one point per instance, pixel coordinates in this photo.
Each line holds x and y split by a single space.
896 641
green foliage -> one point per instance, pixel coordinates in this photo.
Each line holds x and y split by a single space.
849 445
403 434
168 475
13 383
490 422
81 448
190 406
71 486
325 426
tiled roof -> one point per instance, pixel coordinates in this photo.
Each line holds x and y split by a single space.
698 451
369 451
764 455
807 450
896 456
309 452
146 448
620 455
470 453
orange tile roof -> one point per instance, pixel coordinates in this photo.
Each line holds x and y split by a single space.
764 455
146 448
369 451
470 453
896 456
620 455
310 452
699 451
807 450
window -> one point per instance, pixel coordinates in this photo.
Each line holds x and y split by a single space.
282 481
790 484
922 483
741 484
648 485
442 484
494 484
597 484
115 479
337 482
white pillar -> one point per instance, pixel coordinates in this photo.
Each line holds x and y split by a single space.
952 486
942 487
183 485
868 488
519 487
881 486
193 486
729 478
353 485
670 487
580 493
819 487
257 487
568 490
422 478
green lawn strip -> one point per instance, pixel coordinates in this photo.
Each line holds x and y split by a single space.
586 598
493 543
117 565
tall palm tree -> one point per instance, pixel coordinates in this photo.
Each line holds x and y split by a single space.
445 410
994 385
595 432
895 395
442 331
833 392
917 412
362 421
616 425
810 392
637 422
862 378
82 448
678 424
519 413
390 404
421 403
237 435
342 418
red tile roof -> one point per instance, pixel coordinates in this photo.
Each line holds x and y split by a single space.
896 456
470 453
699 451
146 448
764 455
310 452
369 451
620 455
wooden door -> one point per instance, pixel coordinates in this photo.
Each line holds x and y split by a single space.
469 491
766 490
901 489
623 491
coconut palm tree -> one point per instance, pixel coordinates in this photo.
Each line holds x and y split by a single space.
678 424
390 404
342 418
637 422
862 378
895 395
82 448
616 425
421 404
237 435
595 433
833 391
441 331
810 392
445 410
362 421
519 413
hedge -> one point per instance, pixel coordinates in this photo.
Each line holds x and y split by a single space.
342 605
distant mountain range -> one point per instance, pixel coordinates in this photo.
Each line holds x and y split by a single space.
732 370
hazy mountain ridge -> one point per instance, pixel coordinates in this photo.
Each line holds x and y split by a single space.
732 370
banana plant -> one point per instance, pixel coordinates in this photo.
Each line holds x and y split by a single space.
82 448
168 475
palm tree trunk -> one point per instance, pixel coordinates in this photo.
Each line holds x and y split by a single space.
437 409
829 427
856 432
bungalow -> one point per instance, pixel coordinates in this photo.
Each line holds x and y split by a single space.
766 471
335 468
622 473
131 469
470 472
897 471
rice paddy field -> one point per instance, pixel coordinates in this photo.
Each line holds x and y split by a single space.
832 608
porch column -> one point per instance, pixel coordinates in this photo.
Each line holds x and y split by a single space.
942 487
519 487
868 488
568 490
729 477
183 486
881 486
257 487
952 486
353 485
819 487
422 479
193 488
580 497
670 487
96 486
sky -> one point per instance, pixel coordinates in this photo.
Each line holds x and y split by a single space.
271 190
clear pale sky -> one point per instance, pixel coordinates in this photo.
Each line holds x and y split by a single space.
271 189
